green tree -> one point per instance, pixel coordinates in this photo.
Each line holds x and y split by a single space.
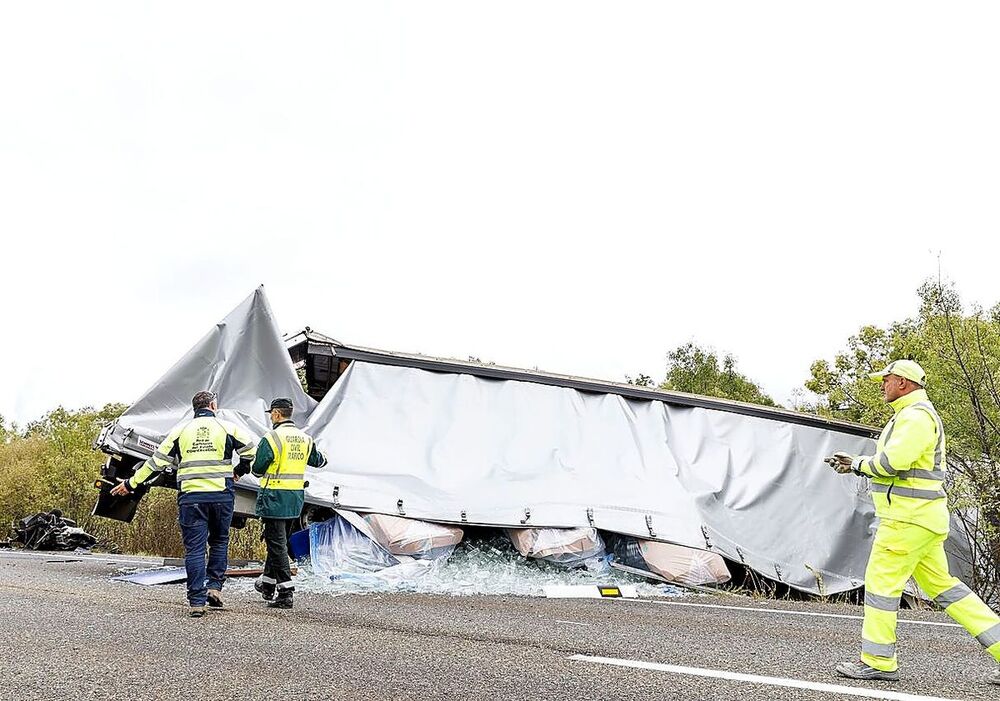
640 380
697 370
51 464
843 389
959 349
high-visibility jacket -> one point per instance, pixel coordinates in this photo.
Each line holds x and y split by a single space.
282 457
201 452
290 448
908 468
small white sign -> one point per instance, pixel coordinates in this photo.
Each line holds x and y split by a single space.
146 443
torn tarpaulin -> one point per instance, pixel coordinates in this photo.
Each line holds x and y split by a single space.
51 531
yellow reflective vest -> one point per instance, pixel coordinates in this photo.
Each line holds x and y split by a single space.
201 453
908 467
291 448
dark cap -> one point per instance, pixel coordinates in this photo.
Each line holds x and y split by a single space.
282 403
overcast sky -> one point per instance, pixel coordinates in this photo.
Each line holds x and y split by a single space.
570 185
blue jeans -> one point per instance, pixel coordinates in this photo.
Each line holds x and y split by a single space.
201 525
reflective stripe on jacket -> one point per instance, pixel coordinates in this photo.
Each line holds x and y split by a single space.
282 457
291 448
201 453
908 468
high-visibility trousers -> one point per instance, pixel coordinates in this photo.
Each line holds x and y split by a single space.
903 550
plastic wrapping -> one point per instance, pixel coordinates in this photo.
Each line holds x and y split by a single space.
336 547
570 547
674 562
407 536
684 565
625 549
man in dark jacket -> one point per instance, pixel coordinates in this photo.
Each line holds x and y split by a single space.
282 456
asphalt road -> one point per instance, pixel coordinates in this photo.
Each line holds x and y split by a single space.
68 632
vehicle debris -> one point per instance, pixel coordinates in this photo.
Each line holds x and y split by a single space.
50 531
149 578
174 575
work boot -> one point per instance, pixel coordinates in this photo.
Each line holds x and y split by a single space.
284 600
266 590
993 677
215 598
196 611
859 670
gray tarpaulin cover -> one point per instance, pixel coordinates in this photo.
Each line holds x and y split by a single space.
243 360
456 448
511 453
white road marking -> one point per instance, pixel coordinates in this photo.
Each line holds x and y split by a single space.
572 623
788 612
754 679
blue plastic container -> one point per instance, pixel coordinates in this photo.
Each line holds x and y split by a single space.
298 545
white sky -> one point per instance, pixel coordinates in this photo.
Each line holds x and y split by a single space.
570 185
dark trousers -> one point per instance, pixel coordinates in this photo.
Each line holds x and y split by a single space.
205 525
277 568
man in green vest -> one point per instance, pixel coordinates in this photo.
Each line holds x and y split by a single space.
907 475
201 453
282 456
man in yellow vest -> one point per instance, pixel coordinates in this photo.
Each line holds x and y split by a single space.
907 475
201 451
282 456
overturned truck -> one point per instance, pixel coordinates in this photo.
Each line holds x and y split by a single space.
473 444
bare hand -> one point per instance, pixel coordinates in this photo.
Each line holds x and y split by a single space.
120 489
842 462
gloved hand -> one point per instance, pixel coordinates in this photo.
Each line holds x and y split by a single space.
841 462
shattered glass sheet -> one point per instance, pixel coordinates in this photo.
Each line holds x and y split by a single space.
479 566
